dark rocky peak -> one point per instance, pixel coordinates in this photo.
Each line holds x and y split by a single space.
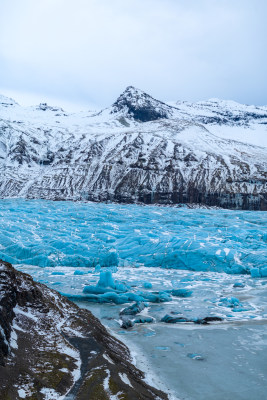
46 107
135 103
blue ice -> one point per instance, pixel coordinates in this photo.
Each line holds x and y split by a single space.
110 290
52 234
147 285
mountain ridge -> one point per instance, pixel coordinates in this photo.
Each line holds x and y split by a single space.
138 150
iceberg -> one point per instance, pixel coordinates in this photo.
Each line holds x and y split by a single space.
229 302
78 272
181 292
143 320
173 320
147 285
106 284
239 285
127 323
133 309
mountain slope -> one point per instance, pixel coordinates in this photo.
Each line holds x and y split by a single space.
49 347
139 105
138 150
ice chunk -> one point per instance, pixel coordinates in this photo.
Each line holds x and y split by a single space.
196 356
229 302
135 297
173 320
97 268
106 284
58 273
201 321
163 348
106 280
78 272
239 285
112 297
155 297
97 289
181 292
143 320
264 272
133 309
147 285
255 272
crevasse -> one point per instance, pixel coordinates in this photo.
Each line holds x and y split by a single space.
47 234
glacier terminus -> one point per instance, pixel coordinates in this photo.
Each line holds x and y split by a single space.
143 225
184 288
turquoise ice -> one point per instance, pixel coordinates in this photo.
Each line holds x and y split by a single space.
50 234
185 266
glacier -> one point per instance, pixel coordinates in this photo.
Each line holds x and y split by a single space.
231 348
177 285
49 234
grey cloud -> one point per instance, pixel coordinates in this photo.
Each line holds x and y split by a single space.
90 50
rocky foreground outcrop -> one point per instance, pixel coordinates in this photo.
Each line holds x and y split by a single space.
52 349
138 150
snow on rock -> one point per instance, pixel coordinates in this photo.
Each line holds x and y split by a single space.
125 379
52 349
6 101
138 150
135 103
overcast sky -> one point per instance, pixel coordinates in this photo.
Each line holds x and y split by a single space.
81 53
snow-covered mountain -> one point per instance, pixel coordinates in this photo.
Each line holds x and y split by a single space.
138 150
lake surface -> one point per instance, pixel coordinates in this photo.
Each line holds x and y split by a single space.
217 257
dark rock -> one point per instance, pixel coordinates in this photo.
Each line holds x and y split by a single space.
207 320
127 323
148 164
52 334
140 106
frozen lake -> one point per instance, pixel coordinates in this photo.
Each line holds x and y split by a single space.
216 257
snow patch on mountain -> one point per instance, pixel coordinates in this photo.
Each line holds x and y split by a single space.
138 150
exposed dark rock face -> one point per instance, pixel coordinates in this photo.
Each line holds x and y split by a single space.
51 347
140 106
139 150
7 303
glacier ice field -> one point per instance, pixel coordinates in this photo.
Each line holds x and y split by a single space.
182 265
50 234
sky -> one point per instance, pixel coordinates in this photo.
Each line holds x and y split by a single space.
81 54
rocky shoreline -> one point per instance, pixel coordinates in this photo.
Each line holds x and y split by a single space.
52 349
